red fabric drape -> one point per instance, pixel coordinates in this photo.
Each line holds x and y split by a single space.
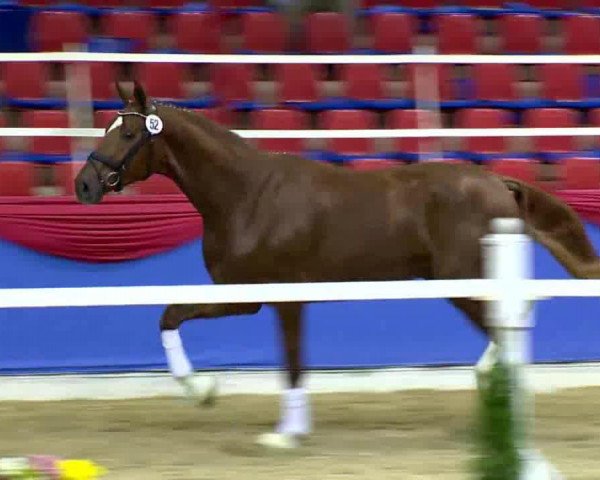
131 227
585 202
120 228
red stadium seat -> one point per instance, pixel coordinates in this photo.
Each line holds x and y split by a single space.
104 118
521 34
581 34
296 83
554 4
103 3
579 173
50 30
264 32
25 79
594 117
65 173
327 32
166 3
405 119
134 25
405 3
456 33
363 81
196 32
16 178
519 168
2 125
157 185
495 81
48 119
551 118
392 32
232 82
279 119
483 118
102 79
219 115
348 120
235 3
561 81
483 3
162 80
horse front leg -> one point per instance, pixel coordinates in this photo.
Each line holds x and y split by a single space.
295 418
201 390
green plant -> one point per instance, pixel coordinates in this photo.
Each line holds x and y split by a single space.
497 456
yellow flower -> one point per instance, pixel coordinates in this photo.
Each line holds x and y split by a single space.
79 470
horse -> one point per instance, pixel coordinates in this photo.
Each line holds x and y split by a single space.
276 217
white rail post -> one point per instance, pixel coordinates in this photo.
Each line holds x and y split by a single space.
508 261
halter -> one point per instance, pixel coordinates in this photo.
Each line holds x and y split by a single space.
113 179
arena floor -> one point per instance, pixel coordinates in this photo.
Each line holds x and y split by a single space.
409 435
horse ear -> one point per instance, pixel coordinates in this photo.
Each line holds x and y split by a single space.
121 92
139 95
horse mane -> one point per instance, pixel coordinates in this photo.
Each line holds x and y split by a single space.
207 124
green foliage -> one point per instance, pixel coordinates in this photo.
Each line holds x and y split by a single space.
496 438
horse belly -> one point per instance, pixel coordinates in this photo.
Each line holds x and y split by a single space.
375 248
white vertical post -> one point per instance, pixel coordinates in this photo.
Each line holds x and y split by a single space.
427 100
80 107
508 261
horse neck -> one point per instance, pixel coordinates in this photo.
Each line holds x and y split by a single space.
212 166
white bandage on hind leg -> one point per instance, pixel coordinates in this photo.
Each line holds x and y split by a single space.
295 413
179 364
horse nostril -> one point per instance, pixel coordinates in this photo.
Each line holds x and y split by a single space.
84 187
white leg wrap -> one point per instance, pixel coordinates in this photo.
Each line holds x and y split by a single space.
178 361
295 421
201 390
488 359
295 413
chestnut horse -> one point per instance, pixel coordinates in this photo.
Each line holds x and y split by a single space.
273 218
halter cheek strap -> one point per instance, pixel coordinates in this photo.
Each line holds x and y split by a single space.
154 126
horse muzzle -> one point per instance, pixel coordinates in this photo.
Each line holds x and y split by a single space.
88 187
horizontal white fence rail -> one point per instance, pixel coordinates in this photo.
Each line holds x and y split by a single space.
287 58
368 133
483 289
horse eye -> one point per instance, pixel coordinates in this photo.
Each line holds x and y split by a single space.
128 134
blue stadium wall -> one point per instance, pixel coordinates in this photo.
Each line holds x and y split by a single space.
352 334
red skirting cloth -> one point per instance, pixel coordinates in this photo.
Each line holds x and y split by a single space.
585 202
118 229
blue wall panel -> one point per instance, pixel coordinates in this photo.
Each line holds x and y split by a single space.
345 334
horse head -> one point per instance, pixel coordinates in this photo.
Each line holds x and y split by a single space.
126 154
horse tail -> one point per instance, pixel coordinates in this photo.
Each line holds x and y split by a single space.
553 224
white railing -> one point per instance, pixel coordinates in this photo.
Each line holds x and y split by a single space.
368 133
484 289
69 57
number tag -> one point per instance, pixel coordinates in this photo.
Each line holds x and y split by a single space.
154 124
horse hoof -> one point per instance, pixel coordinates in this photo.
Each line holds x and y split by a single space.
202 391
279 441
210 393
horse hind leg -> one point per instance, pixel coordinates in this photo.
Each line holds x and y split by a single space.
201 390
295 415
475 311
